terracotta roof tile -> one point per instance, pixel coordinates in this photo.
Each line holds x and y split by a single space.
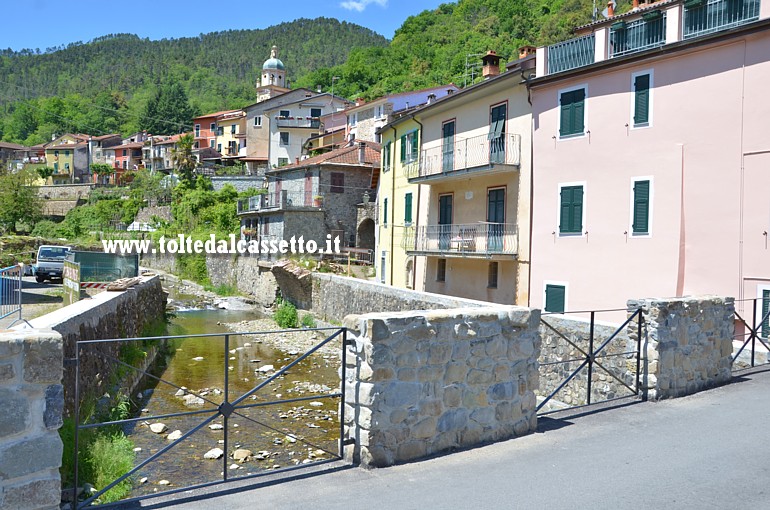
342 156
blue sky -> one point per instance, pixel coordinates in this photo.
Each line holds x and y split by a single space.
47 23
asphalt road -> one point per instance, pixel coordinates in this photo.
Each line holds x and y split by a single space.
706 451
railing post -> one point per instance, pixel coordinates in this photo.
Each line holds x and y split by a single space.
590 358
21 273
639 320
754 331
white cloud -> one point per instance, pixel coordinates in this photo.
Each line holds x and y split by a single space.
360 5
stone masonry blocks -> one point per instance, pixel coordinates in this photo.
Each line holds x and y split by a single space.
440 380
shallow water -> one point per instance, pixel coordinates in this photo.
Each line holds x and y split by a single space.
286 434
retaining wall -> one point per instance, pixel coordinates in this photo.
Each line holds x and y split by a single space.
32 401
106 315
420 383
239 182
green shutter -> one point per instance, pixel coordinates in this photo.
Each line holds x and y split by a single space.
566 117
572 111
403 149
765 307
571 210
414 146
385 211
408 208
641 99
641 207
554 298
578 107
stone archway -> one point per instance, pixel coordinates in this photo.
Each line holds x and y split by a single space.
365 234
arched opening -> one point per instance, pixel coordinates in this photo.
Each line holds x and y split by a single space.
365 237
409 273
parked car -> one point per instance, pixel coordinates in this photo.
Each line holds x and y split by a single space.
50 262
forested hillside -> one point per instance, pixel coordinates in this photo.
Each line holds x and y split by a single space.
79 87
105 85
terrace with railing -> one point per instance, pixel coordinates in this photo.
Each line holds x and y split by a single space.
280 200
645 29
468 154
473 239
298 122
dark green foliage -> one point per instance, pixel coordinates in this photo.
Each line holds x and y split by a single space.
45 172
308 321
18 201
286 315
168 111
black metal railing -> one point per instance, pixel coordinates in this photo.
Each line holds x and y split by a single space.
752 335
707 16
638 35
570 360
248 407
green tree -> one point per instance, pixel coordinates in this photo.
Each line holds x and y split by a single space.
183 159
19 201
45 172
101 169
168 111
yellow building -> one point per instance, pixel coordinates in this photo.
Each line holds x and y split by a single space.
68 156
231 136
398 205
472 185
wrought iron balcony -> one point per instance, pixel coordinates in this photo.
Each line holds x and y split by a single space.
638 35
475 153
280 200
706 16
570 54
472 239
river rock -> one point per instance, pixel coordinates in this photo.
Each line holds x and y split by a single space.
179 393
242 455
192 400
158 428
174 435
234 466
316 404
164 482
137 450
290 438
198 358
143 479
213 454
265 369
216 426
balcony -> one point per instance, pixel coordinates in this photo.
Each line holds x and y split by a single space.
473 154
298 122
570 54
281 200
707 16
465 240
638 35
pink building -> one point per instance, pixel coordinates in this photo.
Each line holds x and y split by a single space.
652 157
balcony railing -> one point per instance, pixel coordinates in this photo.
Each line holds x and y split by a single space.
482 239
280 200
570 54
709 16
637 35
465 154
298 122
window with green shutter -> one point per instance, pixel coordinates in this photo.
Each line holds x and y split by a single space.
642 100
409 147
385 212
572 110
765 307
555 298
408 208
402 156
386 157
571 210
641 224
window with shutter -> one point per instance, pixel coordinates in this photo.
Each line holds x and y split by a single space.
555 298
386 157
641 223
385 212
642 100
571 210
408 208
337 182
402 157
765 308
572 112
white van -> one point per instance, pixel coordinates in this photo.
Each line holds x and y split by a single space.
50 262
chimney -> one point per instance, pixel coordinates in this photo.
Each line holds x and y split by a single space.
636 4
361 153
526 51
449 92
491 65
296 160
360 101
610 9
431 98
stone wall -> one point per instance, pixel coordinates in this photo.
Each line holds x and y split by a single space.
146 214
617 359
104 316
65 191
32 400
420 383
333 297
239 182
688 343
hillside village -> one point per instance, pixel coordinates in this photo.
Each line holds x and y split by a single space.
627 161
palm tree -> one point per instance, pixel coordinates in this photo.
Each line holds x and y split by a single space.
183 158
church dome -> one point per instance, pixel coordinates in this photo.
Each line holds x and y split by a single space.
273 62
